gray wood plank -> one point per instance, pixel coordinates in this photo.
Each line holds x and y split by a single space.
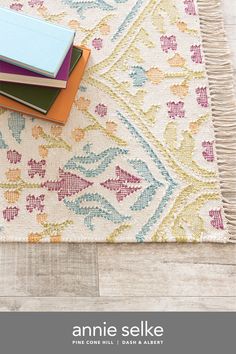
48 270
167 270
118 304
229 11
231 35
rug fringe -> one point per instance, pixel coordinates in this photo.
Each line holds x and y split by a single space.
221 81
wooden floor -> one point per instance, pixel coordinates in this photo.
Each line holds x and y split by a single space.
86 277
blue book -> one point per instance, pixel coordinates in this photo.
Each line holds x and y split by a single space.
33 44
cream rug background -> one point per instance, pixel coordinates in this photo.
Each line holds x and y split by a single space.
151 136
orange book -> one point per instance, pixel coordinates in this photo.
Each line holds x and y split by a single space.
60 110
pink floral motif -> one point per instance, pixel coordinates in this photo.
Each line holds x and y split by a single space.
217 220
208 153
101 110
196 56
34 202
97 43
13 156
33 3
10 213
202 97
120 184
168 43
36 168
176 109
67 185
190 7
16 6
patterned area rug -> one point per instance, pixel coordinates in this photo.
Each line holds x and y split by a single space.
137 161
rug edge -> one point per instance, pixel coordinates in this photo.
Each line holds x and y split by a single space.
219 68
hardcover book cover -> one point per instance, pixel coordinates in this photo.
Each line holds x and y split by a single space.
48 43
60 110
37 97
13 73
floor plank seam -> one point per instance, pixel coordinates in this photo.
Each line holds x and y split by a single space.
199 263
98 271
122 297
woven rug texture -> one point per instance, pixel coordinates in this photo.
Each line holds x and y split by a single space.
149 140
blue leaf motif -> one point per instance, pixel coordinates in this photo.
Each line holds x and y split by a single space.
101 161
144 171
145 198
147 195
16 124
138 74
82 6
128 19
83 88
3 145
100 208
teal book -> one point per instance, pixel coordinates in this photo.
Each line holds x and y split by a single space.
37 97
33 44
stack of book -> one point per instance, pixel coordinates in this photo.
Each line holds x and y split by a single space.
40 68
